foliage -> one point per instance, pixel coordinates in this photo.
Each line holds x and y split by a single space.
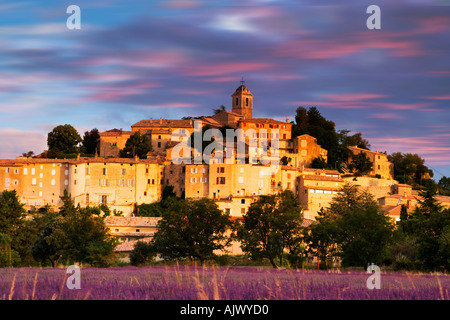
91 141
192 229
429 227
318 163
75 234
353 227
409 168
310 121
272 225
142 253
361 163
63 139
136 145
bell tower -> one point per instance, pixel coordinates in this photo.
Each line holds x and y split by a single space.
242 101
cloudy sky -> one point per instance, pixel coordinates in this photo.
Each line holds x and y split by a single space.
134 60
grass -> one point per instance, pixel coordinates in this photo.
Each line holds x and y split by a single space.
218 283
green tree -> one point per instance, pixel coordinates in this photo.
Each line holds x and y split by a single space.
354 227
192 229
91 141
409 168
75 234
444 185
272 225
318 163
63 139
136 145
142 253
361 164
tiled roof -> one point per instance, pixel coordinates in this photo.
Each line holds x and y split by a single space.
365 150
263 120
129 245
115 132
322 178
320 171
171 123
113 221
307 222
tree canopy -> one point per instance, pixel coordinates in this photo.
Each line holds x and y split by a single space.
137 145
63 139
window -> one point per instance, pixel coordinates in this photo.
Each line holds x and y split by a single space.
242 201
40 184
25 170
40 194
88 182
146 170
105 199
75 182
241 180
153 181
8 170
159 144
53 182
193 170
6 182
193 180
33 171
138 230
88 171
87 199
242 170
74 170
66 172
16 182
16 171
237 101
203 170
105 171
203 180
220 180
242 210
124 172
220 169
66 182
41 175
53 172
246 102
145 193
33 181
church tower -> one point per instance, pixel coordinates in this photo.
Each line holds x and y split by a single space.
242 101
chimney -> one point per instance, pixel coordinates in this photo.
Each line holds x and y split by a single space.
287 120
160 120
151 120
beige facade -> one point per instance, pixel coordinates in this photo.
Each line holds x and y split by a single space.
112 141
381 165
316 188
119 183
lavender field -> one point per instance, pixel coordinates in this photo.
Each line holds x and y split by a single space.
217 283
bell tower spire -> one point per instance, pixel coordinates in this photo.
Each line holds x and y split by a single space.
242 101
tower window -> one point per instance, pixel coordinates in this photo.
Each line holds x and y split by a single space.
237 101
246 102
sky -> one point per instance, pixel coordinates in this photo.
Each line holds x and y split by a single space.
135 60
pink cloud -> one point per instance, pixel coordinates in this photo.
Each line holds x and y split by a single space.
221 69
444 97
384 115
352 96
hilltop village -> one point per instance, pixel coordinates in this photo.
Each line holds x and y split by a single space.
124 183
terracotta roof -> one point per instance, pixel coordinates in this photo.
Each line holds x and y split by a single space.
129 245
393 210
115 132
321 171
322 178
242 89
365 150
264 120
171 123
307 222
112 221
132 234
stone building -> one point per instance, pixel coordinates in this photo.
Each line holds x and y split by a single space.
381 165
